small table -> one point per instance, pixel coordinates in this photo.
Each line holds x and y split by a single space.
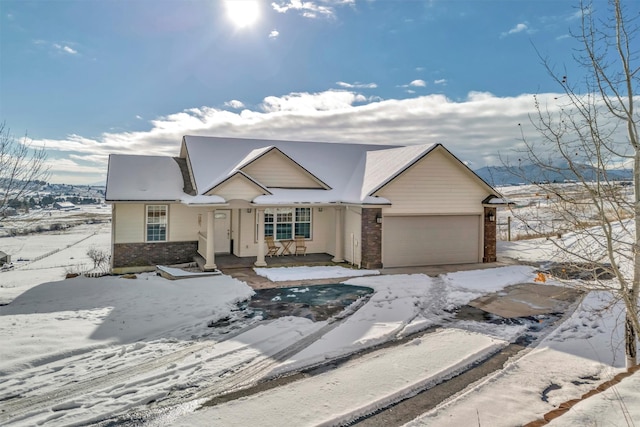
286 245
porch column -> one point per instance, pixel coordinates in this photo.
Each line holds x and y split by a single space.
210 263
338 253
260 262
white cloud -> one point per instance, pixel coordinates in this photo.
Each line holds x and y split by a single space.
139 117
274 34
476 128
64 48
311 9
308 102
234 103
57 47
357 85
414 83
442 82
523 26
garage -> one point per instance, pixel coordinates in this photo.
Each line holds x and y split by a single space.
430 240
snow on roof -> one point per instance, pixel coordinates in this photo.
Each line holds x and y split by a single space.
143 178
253 155
351 171
339 165
499 201
65 204
237 173
384 165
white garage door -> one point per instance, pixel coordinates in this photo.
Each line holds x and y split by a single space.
430 240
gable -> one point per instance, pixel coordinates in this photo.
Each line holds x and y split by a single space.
437 183
276 170
239 187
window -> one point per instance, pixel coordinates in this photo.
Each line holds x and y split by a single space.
287 223
156 223
303 222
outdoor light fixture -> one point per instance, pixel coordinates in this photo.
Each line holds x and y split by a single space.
248 210
491 217
319 209
379 219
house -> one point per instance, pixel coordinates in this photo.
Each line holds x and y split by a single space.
5 258
64 206
8 211
370 205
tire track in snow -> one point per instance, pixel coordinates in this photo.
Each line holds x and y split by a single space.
248 367
20 408
242 375
260 368
17 409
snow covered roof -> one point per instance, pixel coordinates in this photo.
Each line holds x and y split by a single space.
149 178
498 201
344 172
143 178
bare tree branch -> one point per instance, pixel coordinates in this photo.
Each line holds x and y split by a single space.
21 166
577 137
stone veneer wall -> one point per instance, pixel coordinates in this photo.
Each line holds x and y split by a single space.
149 254
371 245
489 236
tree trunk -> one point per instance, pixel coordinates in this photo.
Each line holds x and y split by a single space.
632 302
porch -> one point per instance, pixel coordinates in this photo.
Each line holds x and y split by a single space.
236 236
229 261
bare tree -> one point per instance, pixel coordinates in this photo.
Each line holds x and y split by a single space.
582 137
99 257
21 165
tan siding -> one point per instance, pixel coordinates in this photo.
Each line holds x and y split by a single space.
182 226
183 222
246 246
275 170
129 224
329 230
322 227
237 188
352 235
435 185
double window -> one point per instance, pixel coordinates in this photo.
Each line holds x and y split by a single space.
156 223
285 223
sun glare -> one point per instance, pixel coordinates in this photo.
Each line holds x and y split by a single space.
243 13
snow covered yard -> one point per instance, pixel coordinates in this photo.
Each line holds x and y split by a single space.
43 257
84 350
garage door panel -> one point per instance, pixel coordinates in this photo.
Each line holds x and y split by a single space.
430 240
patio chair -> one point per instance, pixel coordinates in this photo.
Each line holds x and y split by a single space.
272 248
301 247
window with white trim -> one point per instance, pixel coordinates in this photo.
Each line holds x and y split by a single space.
285 223
157 223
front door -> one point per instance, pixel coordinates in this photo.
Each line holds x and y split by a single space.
222 234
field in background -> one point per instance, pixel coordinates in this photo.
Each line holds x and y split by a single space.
39 256
535 213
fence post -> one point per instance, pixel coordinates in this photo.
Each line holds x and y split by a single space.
509 228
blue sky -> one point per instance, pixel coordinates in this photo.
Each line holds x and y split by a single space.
89 78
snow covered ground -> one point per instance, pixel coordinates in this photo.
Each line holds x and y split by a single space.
82 350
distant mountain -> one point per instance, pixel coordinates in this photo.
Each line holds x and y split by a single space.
527 174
